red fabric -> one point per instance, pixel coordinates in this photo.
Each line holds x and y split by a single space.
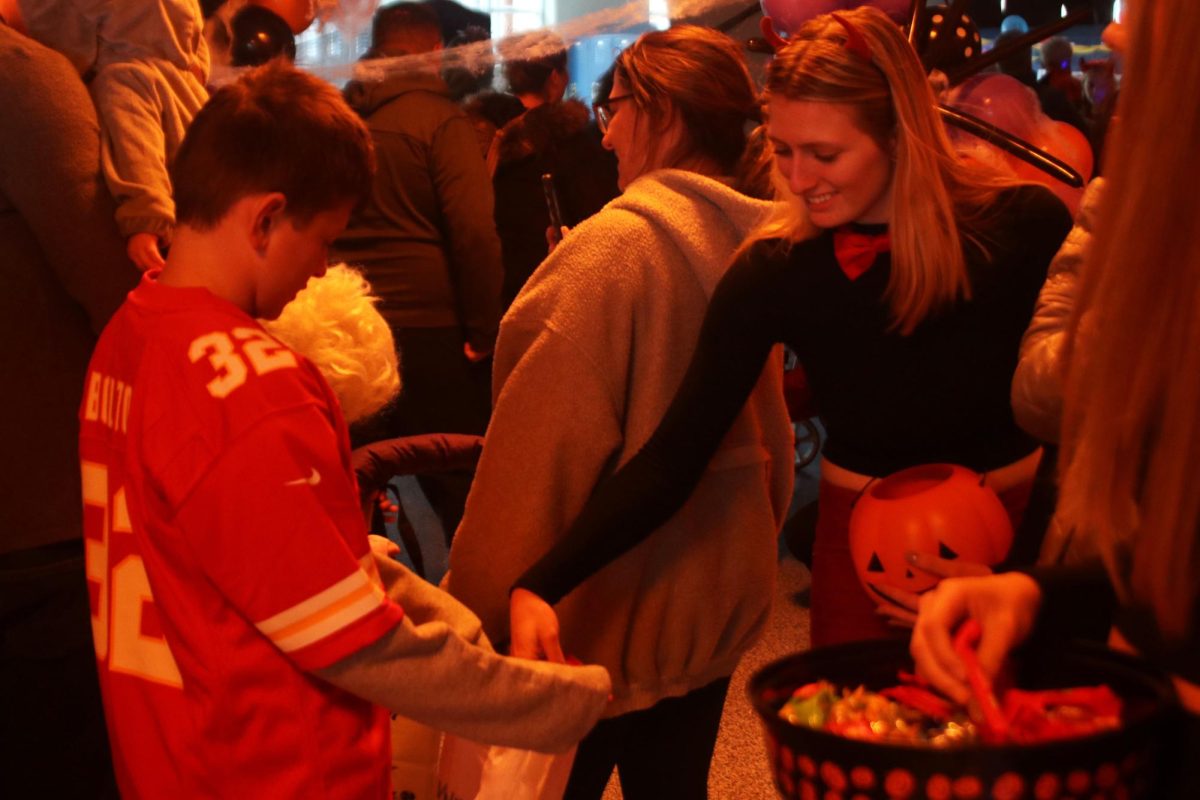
842 611
856 252
226 555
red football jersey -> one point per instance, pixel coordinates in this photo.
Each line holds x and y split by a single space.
226 557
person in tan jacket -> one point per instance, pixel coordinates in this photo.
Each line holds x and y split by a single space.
147 63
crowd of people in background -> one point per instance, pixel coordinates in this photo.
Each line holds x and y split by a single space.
606 292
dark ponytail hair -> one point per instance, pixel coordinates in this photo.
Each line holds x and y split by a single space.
701 75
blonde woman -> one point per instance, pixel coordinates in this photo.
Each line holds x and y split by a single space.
1131 435
903 278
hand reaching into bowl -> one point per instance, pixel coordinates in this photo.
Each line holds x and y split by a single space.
1005 606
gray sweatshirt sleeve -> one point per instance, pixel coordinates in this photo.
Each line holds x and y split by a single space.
134 157
437 668
1037 385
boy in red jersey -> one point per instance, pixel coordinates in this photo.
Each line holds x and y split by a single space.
246 647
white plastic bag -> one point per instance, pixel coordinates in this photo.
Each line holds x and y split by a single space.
471 771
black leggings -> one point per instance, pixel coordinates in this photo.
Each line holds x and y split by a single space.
659 752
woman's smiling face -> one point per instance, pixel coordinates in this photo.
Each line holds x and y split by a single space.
835 168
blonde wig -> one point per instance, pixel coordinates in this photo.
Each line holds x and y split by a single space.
334 323
938 199
1131 435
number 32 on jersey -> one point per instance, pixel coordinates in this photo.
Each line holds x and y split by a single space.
124 590
264 354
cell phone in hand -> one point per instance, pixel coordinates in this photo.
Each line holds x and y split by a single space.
556 221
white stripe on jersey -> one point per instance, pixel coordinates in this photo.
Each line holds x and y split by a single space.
324 613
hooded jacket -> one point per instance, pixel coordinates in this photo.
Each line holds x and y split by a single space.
1037 387
150 65
1038 382
554 138
426 237
589 356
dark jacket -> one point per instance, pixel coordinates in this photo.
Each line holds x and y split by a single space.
65 272
557 138
426 237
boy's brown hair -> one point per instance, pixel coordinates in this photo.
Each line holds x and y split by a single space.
276 129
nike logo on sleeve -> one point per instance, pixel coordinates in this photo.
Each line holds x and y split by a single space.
311 480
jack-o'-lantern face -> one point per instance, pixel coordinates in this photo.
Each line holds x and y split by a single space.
937 509
876 573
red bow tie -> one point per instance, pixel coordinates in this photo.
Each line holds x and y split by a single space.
856 252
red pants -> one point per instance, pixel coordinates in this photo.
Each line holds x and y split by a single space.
842 611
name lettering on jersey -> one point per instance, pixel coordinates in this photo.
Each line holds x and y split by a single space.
108 401
228 359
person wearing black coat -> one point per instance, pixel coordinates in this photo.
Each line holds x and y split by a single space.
553 137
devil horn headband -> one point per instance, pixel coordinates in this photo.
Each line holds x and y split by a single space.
855 42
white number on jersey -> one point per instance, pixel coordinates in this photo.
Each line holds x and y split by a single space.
124 592
264 353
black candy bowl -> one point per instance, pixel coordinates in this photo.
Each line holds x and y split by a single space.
1114 764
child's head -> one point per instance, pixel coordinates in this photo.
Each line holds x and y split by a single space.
273 165
543 74
1056 54
276 129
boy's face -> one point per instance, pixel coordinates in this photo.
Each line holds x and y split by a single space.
296 252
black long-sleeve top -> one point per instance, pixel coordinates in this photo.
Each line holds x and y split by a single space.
889 401
1078 595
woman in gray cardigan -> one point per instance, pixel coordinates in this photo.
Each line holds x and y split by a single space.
588 357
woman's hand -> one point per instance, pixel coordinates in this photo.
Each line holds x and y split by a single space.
902 611
1005 607
533 627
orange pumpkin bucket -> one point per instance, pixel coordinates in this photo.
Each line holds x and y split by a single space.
936 509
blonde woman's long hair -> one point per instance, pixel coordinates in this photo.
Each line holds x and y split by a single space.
1131 436
938 198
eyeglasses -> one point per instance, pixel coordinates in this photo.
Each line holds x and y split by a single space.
604 111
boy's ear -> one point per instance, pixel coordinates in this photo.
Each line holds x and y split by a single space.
267 215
